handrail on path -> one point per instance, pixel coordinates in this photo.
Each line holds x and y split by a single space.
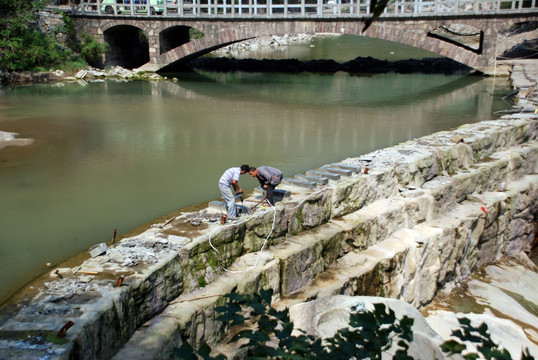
277 9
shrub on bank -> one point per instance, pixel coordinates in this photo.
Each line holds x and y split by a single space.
23 46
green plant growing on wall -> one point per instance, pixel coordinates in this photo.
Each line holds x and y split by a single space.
195 34
201 282
369 335
91 51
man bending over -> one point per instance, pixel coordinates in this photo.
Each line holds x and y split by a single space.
269 178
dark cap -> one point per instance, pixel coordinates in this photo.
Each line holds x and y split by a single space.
245 168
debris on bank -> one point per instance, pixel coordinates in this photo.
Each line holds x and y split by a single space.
85 75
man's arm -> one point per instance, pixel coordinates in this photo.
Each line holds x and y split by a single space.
237 189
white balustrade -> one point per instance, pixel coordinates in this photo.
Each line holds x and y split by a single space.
299 8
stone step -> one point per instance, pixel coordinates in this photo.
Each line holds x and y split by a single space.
299 182
325 174
221 206
278 194
353 169
317 179
366 271
380 268
334 170
377 269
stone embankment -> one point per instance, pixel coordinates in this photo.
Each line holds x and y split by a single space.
399 223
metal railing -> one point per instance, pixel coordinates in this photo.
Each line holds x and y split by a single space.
299 8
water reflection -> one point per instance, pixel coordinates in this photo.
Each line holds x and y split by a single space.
114 155
340 48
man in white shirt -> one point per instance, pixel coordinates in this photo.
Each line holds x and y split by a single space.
231 178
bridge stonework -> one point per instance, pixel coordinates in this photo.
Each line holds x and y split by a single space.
219 33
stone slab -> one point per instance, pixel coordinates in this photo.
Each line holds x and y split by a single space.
342 172
325 174
298 182
221 206
353 169
317 179
278 194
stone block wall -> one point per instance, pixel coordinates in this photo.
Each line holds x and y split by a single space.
427 212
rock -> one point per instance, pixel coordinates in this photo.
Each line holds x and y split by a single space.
96 73
456 139
98 249
324 317
81 74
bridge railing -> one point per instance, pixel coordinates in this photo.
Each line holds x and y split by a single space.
298 8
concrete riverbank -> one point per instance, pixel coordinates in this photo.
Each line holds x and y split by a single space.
398 222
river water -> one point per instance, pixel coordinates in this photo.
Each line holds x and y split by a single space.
115 154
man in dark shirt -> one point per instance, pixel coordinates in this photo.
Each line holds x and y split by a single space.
269 178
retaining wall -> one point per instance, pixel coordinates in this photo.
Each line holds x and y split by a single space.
424 213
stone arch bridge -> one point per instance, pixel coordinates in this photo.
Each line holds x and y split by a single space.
156 37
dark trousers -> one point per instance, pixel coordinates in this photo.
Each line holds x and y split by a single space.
270 190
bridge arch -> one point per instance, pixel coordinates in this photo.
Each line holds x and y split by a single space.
128 46
413 33
173 37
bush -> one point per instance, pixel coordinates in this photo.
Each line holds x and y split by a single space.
24 47
92 50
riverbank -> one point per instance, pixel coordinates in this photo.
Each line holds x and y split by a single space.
360 65
89 74
174 254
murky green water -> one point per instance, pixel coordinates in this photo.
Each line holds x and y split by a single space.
115 155
340 48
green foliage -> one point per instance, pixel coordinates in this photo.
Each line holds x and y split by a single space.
195 34
71 33
73 66
481 337
368 336
92 50
24 47
201 282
